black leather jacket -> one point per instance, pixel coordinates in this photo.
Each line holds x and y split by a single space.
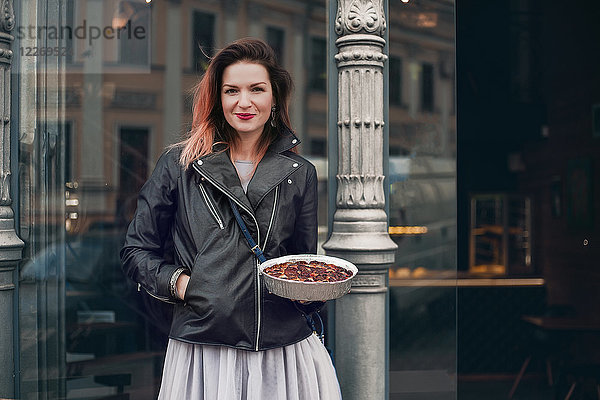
184 218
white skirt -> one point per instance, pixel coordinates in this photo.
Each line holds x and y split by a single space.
301 371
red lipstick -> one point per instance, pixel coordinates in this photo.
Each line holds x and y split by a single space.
244 116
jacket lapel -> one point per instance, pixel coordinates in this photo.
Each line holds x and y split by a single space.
219 170
271 170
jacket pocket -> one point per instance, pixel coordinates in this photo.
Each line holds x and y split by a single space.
211 207
186 295
193 270
149 292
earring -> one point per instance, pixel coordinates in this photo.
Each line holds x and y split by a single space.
273 116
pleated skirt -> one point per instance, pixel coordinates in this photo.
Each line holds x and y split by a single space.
301 371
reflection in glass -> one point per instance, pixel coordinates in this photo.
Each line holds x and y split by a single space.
203 39
102 122
500 235
422 200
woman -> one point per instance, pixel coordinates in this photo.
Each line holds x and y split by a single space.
230 338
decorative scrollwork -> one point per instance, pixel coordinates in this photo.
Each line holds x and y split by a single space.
361 56
339 23
6 53
360 191
5 189
8 15
360 16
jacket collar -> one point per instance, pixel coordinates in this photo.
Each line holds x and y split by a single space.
271 170
286 141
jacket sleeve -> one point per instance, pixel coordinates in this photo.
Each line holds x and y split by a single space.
144 256
305 231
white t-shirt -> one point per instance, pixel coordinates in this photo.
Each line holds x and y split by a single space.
244 170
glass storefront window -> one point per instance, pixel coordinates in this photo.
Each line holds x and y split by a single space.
422 200
92 124
99 88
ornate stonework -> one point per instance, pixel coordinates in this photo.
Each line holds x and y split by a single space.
6 54
360 194
10 244
360 191
7 24
360 16
8 15
376 56
8 237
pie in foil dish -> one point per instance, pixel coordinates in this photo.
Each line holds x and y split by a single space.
308 277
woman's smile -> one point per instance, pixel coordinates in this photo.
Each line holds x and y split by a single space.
246 98
225 325
244 116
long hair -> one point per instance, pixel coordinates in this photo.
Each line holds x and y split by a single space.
209 126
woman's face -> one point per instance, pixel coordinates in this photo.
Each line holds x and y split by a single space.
246 97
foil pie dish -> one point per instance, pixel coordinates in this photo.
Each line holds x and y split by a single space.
307 291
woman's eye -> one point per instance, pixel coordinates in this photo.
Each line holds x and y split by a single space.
230 91
258 89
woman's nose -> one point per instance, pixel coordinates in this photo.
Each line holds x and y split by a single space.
244 99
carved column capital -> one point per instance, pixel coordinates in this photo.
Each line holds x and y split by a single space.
7 24
8 16
360 223
360 16
352 53
10 244
6 54
360 232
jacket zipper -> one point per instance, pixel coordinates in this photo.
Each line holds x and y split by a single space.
258 303
258 241
257 263
272 217
231 197
211 208
164 299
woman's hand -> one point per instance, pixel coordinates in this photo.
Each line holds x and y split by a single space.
181 285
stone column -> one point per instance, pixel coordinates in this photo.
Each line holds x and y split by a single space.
10 244
360 232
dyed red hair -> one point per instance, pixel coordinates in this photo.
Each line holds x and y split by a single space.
208 122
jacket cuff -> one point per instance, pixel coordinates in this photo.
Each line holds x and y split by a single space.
164 279
173 282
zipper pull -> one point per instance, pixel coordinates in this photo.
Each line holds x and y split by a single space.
139 287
